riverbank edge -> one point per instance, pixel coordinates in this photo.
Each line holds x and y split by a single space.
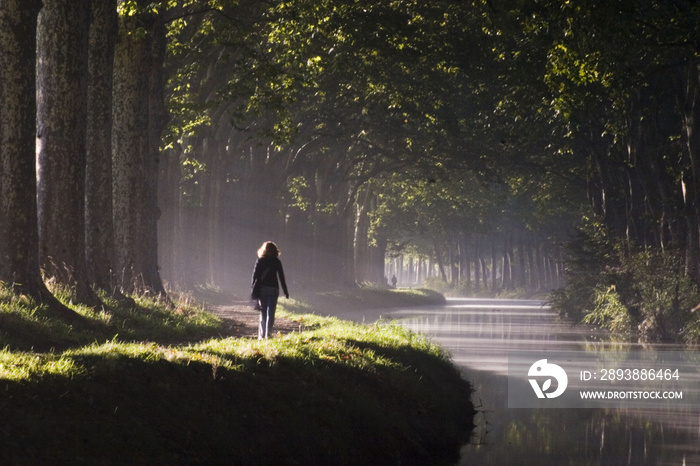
334 392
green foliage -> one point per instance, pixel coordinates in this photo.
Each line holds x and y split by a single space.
591 261
299 191
665 295
640 293
421 208
610 313
691 332
458 118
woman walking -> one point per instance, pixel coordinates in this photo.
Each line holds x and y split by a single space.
265 285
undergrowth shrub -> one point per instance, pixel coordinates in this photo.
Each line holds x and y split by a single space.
439 285
634 292
608 311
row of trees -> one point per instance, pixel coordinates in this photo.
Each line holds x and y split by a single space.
493 264
361 130
173 137
79 167
346 132
629 115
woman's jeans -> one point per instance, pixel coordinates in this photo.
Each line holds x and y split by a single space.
268 304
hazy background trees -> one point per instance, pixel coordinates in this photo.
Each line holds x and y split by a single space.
317 112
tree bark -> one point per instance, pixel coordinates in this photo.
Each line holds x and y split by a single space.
477 264
532 266
438 258
484 273
99 227
61 135
19 234
137 121
507 274
494 262
467 274
454 260
691 117
522 269
363 265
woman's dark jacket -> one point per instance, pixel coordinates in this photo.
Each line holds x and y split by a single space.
266 270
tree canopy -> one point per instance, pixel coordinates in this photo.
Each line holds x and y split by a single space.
476 135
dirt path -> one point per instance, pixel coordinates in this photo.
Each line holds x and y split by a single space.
241 320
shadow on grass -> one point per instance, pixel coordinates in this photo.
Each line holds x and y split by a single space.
139 410
36 330
300 399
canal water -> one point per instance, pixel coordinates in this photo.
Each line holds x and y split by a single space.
481 334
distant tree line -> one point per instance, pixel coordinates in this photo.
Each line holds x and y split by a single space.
514 262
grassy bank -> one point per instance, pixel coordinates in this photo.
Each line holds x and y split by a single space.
371 298
148 385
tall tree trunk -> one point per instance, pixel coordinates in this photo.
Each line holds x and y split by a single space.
61 132
19 234
157 119
494 261
137 122
485 273
532 266
522 269
539 264
507 275
477 264
169 189
438 258
99 227
691 114
454 261
467 274
215 190
378 260
363 264
333 258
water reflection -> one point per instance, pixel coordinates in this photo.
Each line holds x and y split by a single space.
480 333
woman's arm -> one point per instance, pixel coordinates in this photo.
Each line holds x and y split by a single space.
280 271
256 273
